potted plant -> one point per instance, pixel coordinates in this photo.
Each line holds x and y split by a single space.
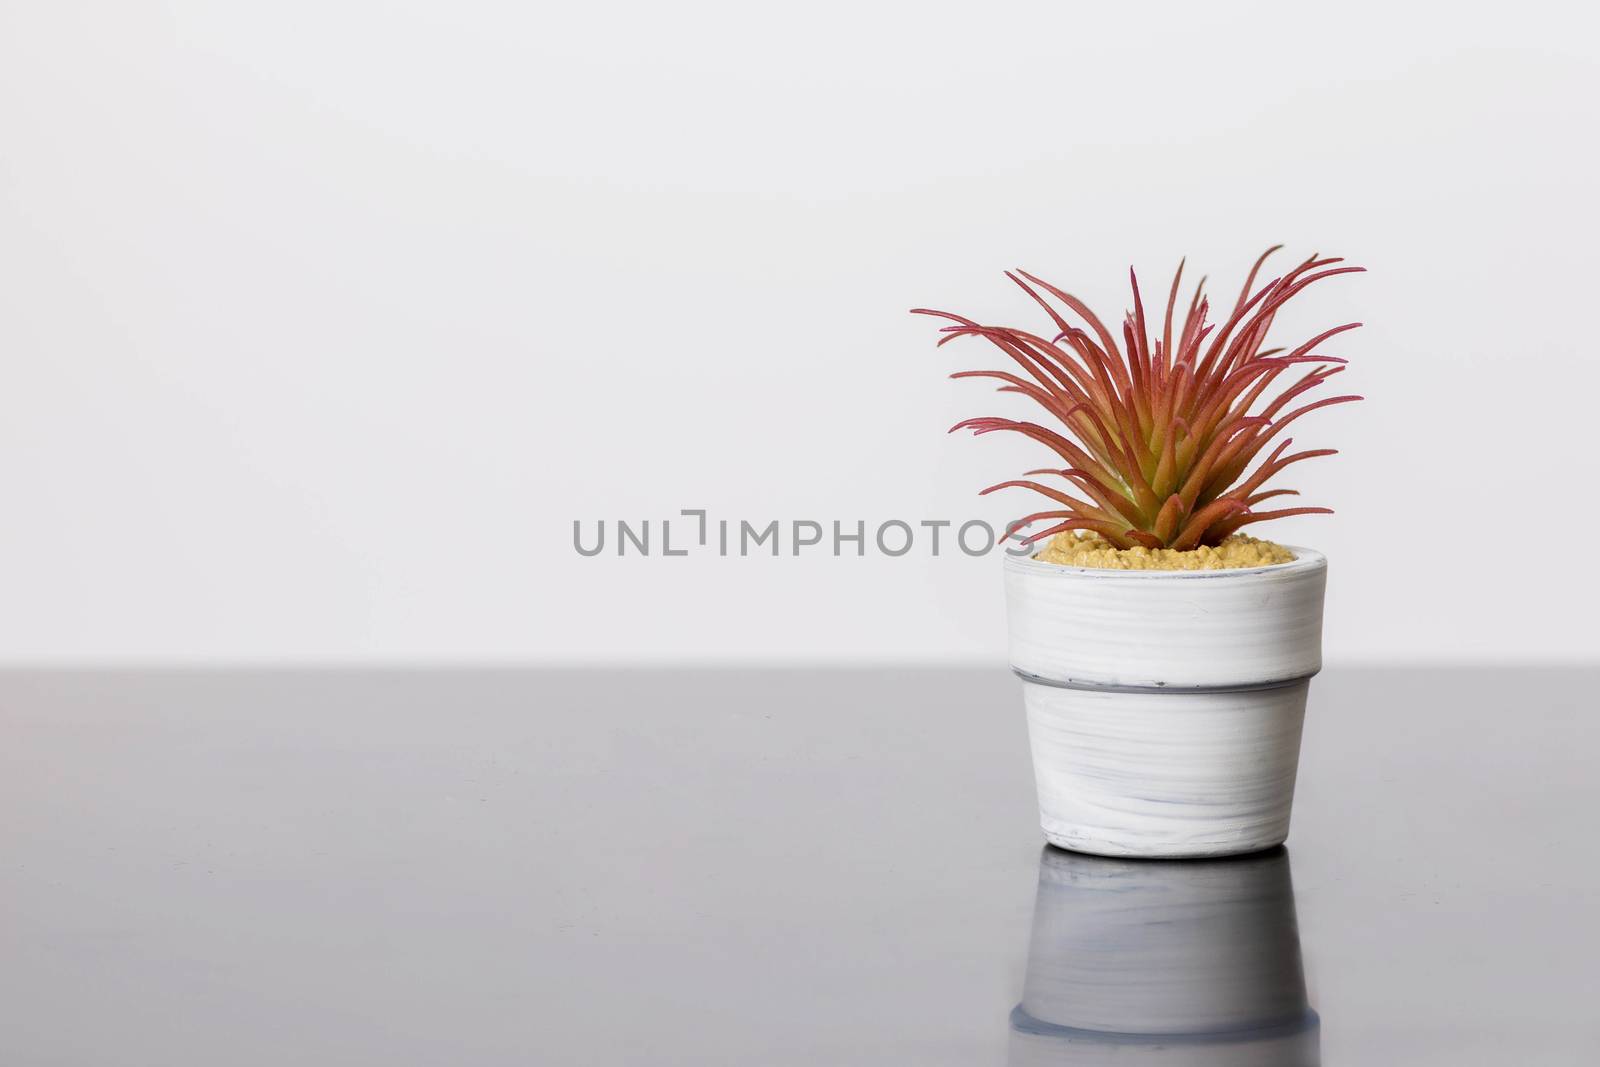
1165 656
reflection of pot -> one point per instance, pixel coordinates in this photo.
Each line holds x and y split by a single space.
1164 963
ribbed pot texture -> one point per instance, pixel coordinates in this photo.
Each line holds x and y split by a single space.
1165 707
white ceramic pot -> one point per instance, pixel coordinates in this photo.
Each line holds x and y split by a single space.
1165 707
1164 964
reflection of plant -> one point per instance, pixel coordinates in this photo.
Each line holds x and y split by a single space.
1160 432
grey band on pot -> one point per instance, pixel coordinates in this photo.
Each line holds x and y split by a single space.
1108 687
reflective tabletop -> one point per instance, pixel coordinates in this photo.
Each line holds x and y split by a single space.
769 867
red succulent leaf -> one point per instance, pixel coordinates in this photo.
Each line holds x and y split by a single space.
1158 432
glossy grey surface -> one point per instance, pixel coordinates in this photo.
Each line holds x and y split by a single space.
791 867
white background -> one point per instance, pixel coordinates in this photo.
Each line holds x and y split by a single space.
321 323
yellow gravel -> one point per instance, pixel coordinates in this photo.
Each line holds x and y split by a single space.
1091 550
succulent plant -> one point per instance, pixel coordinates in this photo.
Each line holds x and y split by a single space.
1158 434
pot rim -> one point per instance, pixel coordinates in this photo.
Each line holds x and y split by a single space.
1305 559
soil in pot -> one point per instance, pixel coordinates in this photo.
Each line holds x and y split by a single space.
1074 549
